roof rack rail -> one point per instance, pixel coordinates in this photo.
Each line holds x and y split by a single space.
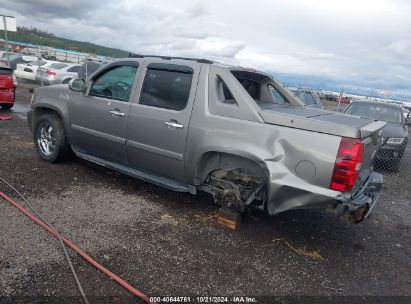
200 60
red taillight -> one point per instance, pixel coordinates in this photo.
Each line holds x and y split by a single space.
51 73
347 165
5 62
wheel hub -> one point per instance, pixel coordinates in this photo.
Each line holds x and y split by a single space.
46 139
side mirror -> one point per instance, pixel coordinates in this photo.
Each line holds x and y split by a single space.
77 85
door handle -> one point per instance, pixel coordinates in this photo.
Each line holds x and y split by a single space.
173 124
116 113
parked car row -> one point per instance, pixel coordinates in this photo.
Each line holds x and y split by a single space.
15 58
47 72
29 70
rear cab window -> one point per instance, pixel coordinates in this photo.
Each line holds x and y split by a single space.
260 89
166 86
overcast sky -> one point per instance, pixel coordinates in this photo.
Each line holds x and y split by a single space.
367 42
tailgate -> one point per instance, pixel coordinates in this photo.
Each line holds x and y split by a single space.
372 140
322 121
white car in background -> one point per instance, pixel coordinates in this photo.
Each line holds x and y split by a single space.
29 70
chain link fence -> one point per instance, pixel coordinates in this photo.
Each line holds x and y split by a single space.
56 54
394 156
393 161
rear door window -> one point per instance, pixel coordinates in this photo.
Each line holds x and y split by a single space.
166 88
116 83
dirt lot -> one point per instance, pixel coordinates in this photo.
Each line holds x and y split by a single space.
167 243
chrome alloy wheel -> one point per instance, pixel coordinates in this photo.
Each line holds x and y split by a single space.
46 139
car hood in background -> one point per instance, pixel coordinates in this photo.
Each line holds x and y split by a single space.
394 130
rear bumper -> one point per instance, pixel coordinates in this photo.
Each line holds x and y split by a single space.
7 96
289 194
362 202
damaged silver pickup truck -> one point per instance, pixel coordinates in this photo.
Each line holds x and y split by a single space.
192 124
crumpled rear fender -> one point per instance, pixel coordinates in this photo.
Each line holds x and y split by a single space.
287 192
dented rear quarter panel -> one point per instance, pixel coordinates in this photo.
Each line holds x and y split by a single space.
298 163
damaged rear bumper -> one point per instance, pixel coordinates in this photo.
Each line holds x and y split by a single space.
288 194
362 201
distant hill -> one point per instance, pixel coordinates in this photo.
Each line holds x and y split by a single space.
39 37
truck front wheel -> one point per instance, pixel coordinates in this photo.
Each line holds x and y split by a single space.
50 138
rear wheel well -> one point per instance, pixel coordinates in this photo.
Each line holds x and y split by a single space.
212 161
233 181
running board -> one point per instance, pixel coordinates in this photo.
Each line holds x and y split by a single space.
144 175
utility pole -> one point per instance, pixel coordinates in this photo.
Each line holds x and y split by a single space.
339 99
7 41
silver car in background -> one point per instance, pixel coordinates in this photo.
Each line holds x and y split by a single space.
57 73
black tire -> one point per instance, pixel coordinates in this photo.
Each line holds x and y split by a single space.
61 150
66 81
7 106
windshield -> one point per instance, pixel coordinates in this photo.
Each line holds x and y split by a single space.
376 112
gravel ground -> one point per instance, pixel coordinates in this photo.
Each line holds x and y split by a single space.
167 243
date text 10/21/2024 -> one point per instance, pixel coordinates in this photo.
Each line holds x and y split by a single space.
203 299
